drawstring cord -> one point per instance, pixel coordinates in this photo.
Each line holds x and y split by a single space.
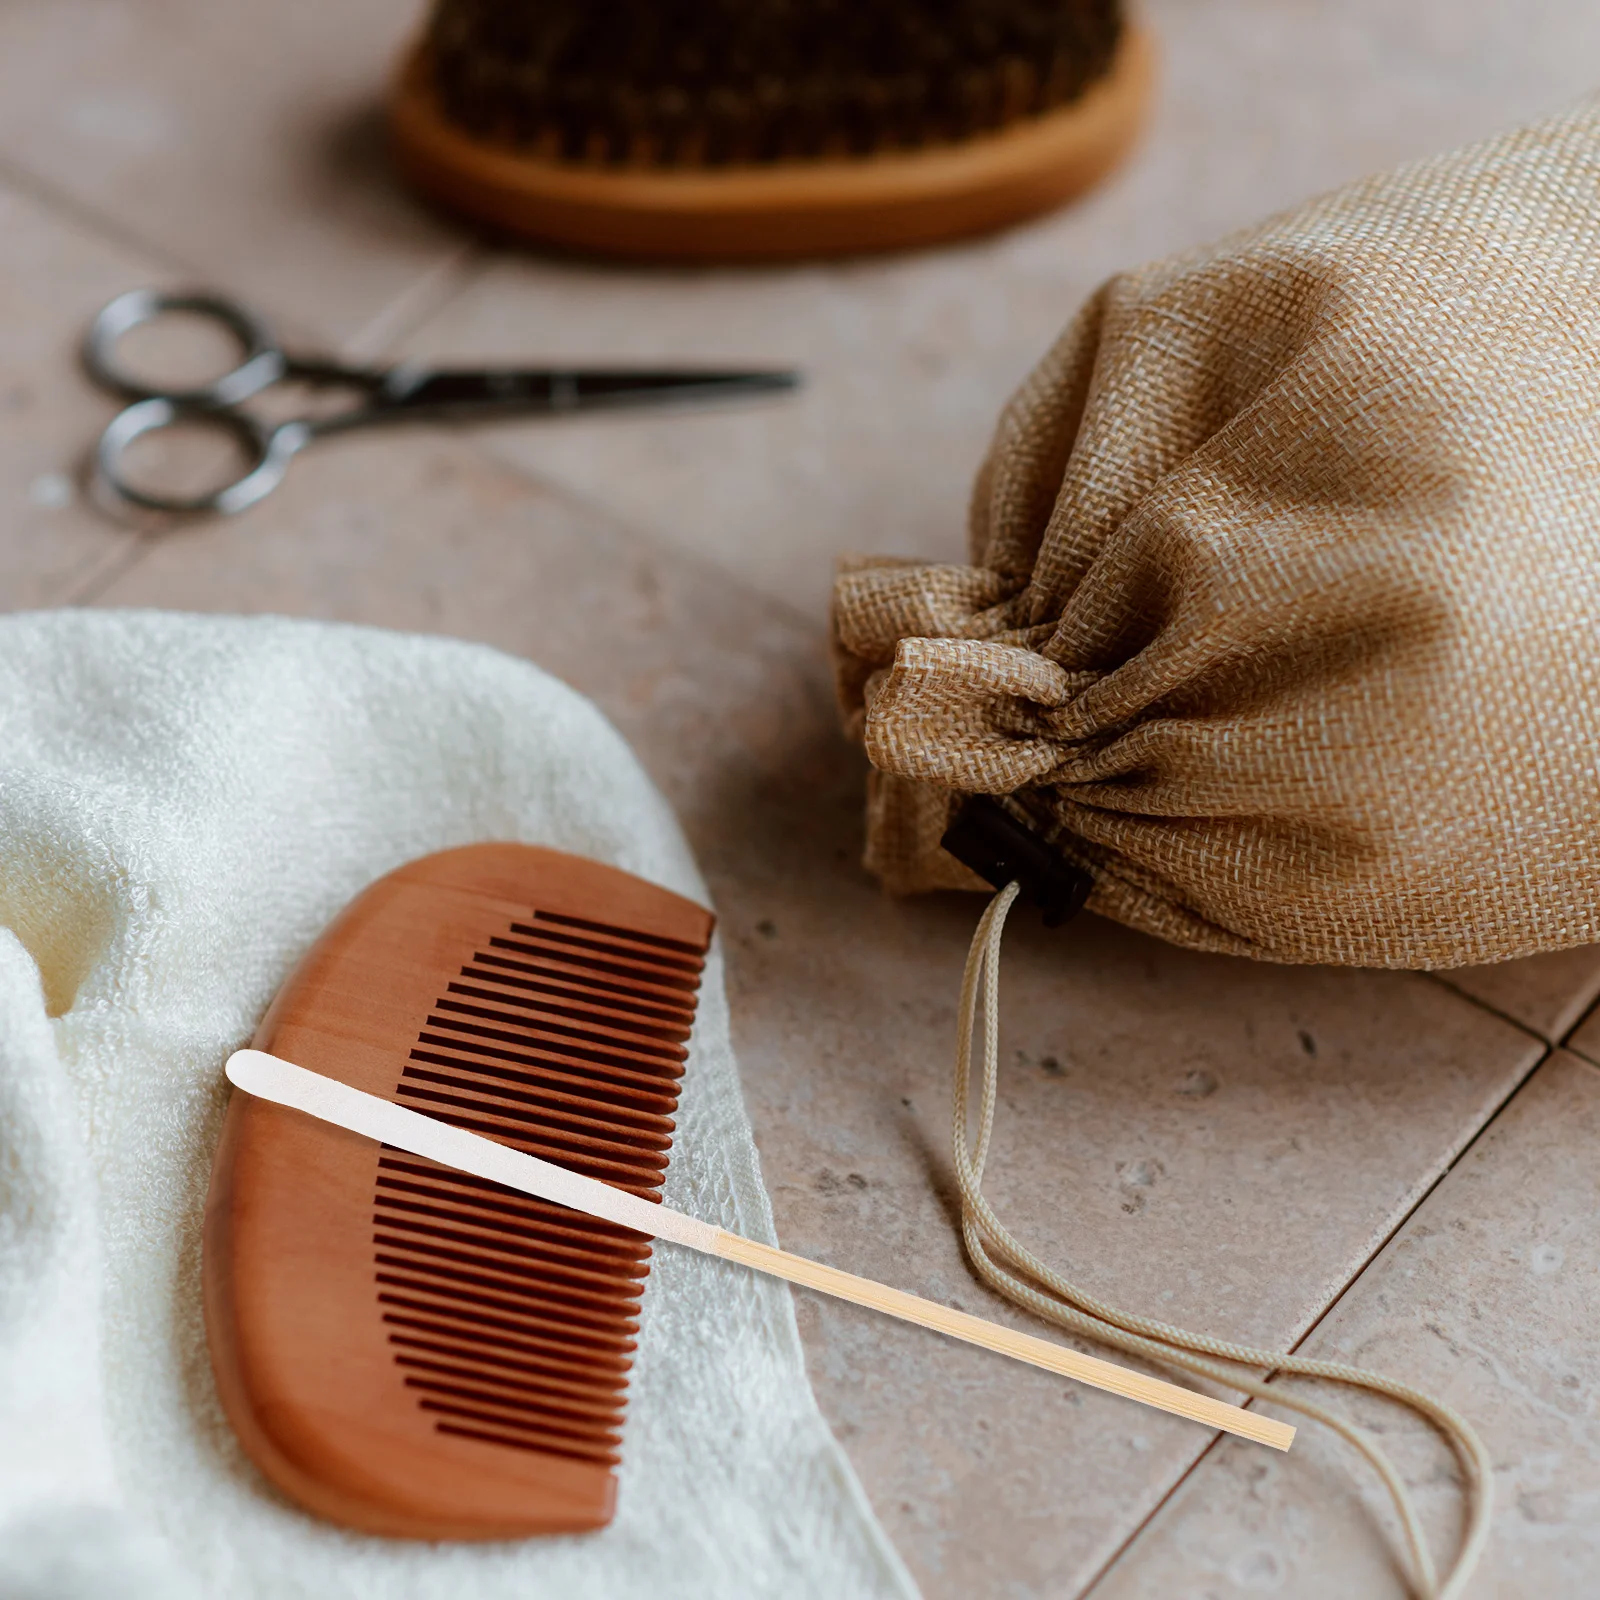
1011 1269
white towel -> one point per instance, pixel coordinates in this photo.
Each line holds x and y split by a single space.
184 804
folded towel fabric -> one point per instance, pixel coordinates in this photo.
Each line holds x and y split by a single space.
184 803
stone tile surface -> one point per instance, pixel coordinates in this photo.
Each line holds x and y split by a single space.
1585 1038
1215 1141
1546 993
1486 1300
908 359
240 142
53 277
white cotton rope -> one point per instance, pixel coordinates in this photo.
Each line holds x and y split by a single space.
995 1252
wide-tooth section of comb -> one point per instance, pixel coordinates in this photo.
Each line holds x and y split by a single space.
513 1319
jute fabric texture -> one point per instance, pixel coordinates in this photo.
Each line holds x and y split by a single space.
1284 585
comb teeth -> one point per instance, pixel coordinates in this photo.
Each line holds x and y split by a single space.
513 1320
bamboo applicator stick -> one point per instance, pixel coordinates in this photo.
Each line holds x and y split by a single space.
327 1099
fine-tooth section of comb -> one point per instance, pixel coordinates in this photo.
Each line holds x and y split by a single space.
559 1071
405 1348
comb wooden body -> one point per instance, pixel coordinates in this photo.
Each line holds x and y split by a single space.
403 1348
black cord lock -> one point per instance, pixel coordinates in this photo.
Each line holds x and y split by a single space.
993 843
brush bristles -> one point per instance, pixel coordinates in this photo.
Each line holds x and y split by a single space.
715 83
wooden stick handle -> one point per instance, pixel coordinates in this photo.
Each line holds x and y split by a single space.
1005 1341
335 1102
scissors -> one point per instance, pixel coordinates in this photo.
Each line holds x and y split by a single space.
409 392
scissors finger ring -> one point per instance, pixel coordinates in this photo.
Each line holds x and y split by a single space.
267 451
262 362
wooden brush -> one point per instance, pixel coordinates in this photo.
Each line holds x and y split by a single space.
760 129
429 1336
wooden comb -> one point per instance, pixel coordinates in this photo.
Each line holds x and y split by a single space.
404 1348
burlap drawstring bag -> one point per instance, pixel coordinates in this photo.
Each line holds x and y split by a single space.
1285 584
1278 635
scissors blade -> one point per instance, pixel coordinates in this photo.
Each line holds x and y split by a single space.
411 392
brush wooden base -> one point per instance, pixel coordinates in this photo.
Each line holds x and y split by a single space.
888 202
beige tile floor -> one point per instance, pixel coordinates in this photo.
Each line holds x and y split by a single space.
1485 1297
1259 1151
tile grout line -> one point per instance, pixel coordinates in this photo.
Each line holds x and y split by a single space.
419 302
660 543
1351 1284
106 572
112 230
1483 1005
66 206
1146 1521
106 227
1504 1016
1571 1033
456 276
